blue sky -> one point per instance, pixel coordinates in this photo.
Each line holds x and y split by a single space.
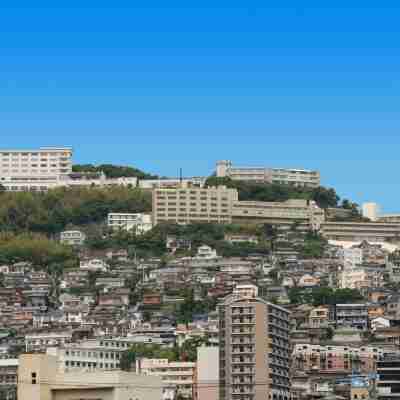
163 85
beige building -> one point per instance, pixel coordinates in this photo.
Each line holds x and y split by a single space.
296 177
360 231
39 379
254 349
177 377
189 205
282 213
371 211
207 373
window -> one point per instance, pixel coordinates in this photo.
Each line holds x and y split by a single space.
33 375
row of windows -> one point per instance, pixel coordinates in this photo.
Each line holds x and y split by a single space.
84 364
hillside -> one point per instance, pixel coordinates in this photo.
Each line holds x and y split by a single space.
51 212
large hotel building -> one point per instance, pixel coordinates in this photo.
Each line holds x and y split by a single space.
254 349
188 205
36 169
47 168
295 177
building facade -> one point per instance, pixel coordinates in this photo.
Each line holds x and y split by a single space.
254 349
280 213
295 177
73 238
361 231
138 222
190 205
388 372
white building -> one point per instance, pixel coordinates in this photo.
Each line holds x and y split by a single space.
296 177
206 252
43 340
73 238
139 222
178 376
171 183
48 168
93 265
352 257
371 211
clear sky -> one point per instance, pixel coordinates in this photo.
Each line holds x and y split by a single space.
163 85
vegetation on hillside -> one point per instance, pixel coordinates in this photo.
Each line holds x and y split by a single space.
49 213
113 171
323 296
34 248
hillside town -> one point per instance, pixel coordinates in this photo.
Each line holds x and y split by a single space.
249 283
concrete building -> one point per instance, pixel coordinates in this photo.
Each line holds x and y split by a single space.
48 168
39 379
361 231
172 183
207 374
281 213
254 349
351 316
73 238
371 211
40 341
189 205
388 372
335 359
138 222
296 177
177 377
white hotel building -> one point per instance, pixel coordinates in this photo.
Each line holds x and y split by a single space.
47 168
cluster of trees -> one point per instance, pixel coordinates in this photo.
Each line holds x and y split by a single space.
36 249
113 171
185 311
314 245
324 295
49 213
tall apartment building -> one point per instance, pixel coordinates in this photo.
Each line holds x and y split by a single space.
296 177
254 349
189 205
388 372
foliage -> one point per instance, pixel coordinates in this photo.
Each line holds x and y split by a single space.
36 249
50 212
313 246
186 310
113 171
323 296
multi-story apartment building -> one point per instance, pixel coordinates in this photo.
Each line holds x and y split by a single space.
254 349
335 359
138 222
360 231
281 213
177 377
388 372
40 341
188 205
351 316
296 177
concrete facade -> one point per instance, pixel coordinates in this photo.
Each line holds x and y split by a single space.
254 350
39 379
295 177
189 205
